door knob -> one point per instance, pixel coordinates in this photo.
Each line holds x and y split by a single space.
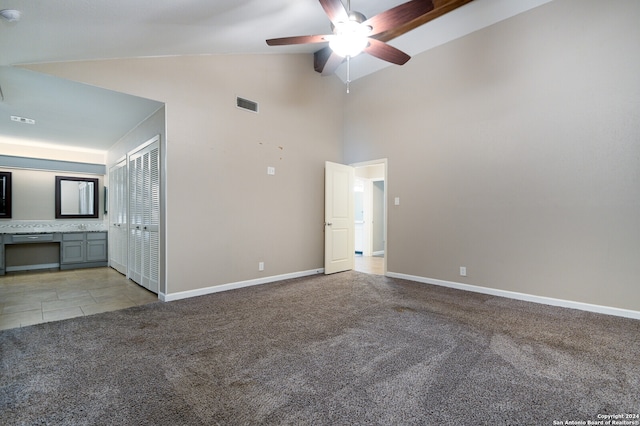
329 223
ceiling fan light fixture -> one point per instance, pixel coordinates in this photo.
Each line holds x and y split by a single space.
350 38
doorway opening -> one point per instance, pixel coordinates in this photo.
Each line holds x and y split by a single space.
370 199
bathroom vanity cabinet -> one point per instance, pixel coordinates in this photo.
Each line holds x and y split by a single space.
77 249
83 250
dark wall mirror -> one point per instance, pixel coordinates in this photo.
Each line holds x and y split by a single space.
76 198
5 195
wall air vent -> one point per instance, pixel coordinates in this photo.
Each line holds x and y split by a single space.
23 120
246 104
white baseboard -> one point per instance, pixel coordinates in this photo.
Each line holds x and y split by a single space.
32 267
378 253
522 296
232 286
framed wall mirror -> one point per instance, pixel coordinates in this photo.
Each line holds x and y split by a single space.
76 198
5 195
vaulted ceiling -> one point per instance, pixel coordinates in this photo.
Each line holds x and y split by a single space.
69 30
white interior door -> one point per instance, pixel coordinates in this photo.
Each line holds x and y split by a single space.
339 235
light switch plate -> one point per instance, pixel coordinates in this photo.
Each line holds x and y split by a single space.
271 170
396 201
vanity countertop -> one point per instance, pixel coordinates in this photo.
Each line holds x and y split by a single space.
50 232
41 227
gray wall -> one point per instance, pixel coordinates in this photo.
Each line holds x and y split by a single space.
224 214
515 153
149 128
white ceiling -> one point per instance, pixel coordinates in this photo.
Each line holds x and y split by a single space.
69 30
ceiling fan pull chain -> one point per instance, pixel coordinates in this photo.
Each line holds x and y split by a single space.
348 72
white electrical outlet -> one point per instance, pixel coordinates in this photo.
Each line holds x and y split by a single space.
271 171
463 271
260 266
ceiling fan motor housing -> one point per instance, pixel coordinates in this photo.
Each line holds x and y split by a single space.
353 16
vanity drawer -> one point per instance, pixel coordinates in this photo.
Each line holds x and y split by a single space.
73 236
96 235
33 238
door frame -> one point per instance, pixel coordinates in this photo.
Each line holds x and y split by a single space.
385 162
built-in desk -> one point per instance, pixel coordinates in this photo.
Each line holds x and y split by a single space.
77 249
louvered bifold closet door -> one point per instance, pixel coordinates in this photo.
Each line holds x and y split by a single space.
123 207
151 220
144 216
154 221
135 218
117 210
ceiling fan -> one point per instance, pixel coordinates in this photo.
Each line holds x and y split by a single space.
353 33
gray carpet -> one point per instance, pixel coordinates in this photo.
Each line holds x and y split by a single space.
350 348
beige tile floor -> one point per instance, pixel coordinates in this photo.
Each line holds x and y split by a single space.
370 265
28 298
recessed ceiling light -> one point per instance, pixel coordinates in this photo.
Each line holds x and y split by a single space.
10 15
23 119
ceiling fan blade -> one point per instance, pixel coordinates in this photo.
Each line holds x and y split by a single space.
399 15
441 7
335 10
283 41
386 52
325 61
